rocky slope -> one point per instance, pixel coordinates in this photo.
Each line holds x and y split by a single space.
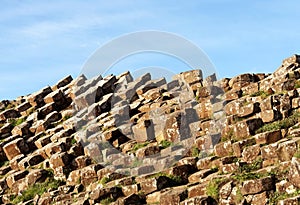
119 140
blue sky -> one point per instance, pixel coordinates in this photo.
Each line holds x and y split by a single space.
43 41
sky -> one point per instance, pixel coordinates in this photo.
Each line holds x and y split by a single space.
43 41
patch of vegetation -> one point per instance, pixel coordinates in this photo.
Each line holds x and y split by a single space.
107 201
297 84
277 196
175 179
239 196
9 106
213 188
195 152
245 171
4 163
249 176
282 124
104 180
37 189
261 93
229 136
139 145
66 117
256 165
165 143
297 153
73 141
16 122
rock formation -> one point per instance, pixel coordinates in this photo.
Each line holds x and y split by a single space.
119 140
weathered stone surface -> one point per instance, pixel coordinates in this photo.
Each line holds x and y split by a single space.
147 151
35 176
16 147
257 186
155 184
130 189
143 131
22 129
250 153
257 199
286 150
14 177
238 147
247 127
37 99
30 161
236 83
8 114
59 160
269 151
290 201
268 137
199 200
63 82
223 149
89 174
294 172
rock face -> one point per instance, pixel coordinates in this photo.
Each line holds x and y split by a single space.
120 140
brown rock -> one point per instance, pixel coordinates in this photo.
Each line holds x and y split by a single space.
74 178
16 147
173 196
223 149
257 186
290 201
89 174
130 189
268 137
30 161
250 153
247 127
23 107
37 175
154 184
199 200
147 151
294 172
238 147
22 129
205 163
43 141
14 177
197 190
269 151
59 160
8 114
37 99
258 199
286 150
236 83
63 82
144 131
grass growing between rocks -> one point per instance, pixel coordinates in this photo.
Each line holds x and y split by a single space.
261 93
213 188
165 144
37 189
16 122
4 163
106 201
297 153
281 124
139 145
277 196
